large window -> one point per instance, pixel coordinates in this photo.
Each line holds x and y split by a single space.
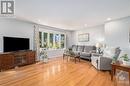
40 38
45 40
52 40
57 41
51 44
62 40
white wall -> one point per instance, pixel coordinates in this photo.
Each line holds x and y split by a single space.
117 33
114 33
17 28
69 39
96 34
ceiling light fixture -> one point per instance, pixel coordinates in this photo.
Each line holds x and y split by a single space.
85 25
108 19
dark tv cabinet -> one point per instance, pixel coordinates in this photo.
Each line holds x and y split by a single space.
10 60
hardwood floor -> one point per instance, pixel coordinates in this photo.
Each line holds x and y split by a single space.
58 72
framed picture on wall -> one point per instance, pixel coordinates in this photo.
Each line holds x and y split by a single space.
83 37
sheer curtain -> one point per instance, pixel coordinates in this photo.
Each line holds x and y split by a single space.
36 42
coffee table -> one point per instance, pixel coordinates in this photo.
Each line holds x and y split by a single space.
73 56
119 66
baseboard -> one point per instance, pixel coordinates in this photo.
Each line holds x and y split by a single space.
55 57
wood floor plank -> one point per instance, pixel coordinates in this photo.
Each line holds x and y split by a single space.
58 72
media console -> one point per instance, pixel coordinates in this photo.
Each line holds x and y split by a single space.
15 59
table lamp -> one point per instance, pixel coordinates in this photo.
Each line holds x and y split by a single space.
99 46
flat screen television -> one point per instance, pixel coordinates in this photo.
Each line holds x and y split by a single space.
15 44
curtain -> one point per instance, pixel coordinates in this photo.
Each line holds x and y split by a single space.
36 42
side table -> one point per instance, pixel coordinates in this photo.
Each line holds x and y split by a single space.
120 67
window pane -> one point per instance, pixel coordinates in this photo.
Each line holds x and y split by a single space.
51 40
45 40
40 39
62 40
57 41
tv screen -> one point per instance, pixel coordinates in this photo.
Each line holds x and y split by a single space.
15 44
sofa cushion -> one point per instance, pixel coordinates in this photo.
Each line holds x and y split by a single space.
93 51
80 48
109 52
88 48
76 52
94 47
85 54
117 52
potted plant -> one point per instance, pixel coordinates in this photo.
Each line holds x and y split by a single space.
126 60
43 55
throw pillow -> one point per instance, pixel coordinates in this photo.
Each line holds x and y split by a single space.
109 52
117 53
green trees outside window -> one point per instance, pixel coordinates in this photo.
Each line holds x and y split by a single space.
62 40
51 40
57 39
45 40
40 39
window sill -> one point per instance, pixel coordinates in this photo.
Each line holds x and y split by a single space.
56 50
53 49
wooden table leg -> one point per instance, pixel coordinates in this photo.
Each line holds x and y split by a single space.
67 58
75 59
112 73
63 56
129 77
79 59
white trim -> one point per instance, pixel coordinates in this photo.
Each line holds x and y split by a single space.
54 33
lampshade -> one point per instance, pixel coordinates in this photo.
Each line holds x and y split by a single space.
104 45
99 45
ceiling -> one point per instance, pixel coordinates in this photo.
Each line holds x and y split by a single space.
71 14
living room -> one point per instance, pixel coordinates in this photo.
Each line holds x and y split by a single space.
36 36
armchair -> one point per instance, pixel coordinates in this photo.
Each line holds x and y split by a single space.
103 62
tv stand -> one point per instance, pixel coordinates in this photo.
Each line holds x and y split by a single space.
18 58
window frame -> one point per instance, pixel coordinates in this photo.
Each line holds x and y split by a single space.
48 39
